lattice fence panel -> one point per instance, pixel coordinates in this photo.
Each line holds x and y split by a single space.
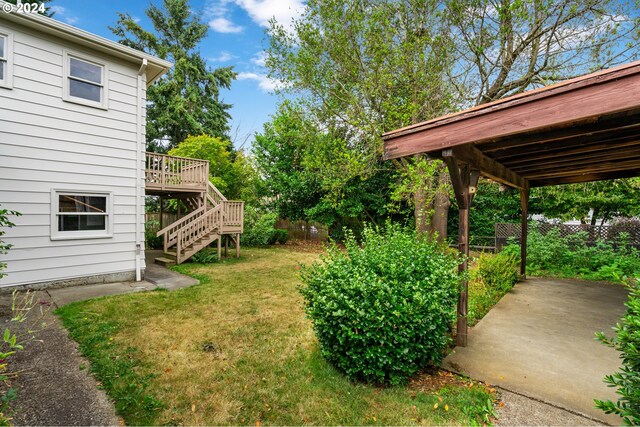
504 231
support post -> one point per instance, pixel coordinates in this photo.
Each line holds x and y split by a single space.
524 206
220 246
161 212
460 179
238 245
226 245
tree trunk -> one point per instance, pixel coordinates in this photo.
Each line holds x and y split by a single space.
421 210
441 204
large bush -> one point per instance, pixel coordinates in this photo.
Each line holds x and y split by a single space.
627 379
259 227
382 309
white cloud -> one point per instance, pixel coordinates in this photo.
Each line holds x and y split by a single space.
264 82
259 58
223 25
223 57
261 11
62 15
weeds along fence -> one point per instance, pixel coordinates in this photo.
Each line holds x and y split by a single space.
303 230
594 233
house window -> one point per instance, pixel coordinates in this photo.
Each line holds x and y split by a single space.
85 81
81 215
6 60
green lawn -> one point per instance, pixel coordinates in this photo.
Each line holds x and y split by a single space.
237 349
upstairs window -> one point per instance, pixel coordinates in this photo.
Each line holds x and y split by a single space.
6 62
81 215
85 81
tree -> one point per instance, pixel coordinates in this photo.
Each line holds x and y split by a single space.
41 6
505 47
604 200
187 100
360 68
291 164
280 155
230 172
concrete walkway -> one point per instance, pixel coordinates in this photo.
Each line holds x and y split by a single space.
55 386
539 341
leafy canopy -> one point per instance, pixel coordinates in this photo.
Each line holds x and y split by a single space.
232 173
186 101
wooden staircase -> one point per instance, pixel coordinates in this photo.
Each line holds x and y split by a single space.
212 216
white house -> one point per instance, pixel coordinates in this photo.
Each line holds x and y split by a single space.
72 159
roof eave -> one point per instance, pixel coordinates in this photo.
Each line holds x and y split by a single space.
155 69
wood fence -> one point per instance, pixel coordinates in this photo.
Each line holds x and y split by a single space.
167 218
303 230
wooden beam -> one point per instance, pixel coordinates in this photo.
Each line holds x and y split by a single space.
487 166
456 178
625 154
544 157
524 207
591 142
598 128
614 166
463 247
589 103
585 178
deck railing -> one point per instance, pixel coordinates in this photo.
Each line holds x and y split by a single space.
233 214
171 172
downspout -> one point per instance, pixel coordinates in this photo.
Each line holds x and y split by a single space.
139 142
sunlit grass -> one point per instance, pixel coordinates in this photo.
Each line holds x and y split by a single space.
237 349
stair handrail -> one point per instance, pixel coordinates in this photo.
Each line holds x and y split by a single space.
199 228
181 221
214 195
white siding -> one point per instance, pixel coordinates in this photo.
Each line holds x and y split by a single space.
47 143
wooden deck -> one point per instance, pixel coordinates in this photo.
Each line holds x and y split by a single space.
165 174
212 216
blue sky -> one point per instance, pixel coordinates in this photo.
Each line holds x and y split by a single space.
236 38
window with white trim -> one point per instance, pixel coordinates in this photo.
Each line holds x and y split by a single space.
6 60
81 215
85 81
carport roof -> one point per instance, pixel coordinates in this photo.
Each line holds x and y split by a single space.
579 130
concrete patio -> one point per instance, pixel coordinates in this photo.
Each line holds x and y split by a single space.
539 341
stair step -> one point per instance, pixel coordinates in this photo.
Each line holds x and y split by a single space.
165 262
170 253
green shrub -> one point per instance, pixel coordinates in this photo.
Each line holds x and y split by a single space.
279 236
571 256
205 256
627 379
499 271
150 238
383 310
259 227
493 275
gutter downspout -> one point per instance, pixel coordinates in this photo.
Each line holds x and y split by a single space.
139 141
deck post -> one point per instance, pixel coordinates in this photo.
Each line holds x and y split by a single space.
524 206
237 239
226 246
460 180
220 246
161 212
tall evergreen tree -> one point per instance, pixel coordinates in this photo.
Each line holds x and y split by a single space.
187 100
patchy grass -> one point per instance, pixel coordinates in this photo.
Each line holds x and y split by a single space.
237 349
